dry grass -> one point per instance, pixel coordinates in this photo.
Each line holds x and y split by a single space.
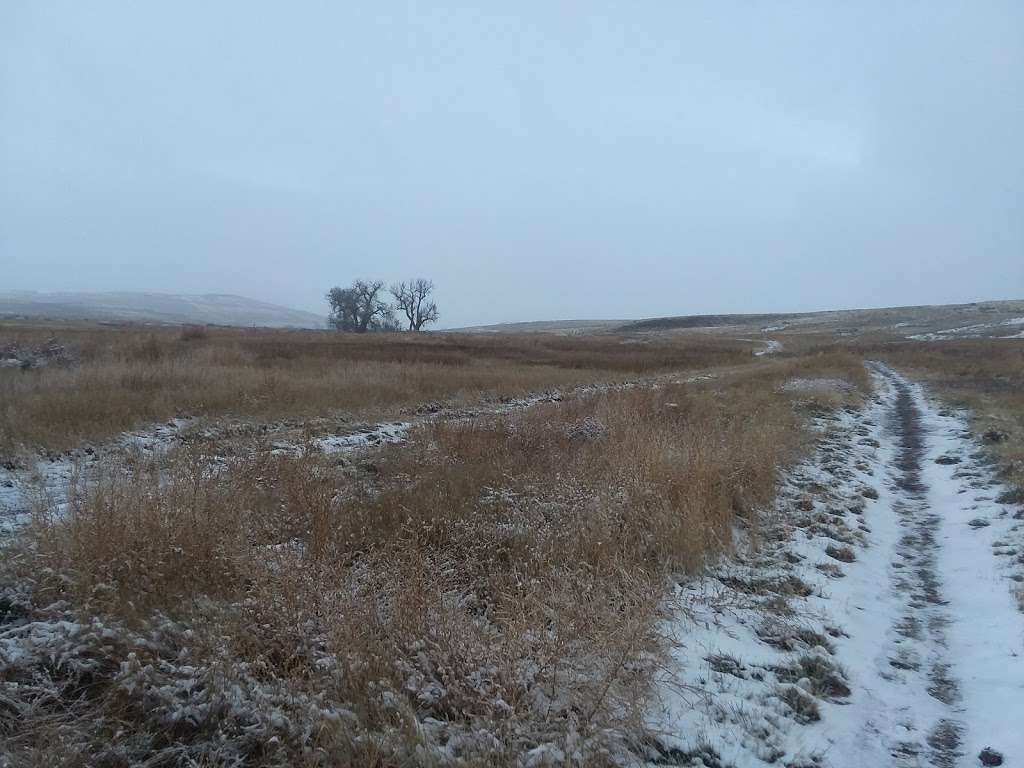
129 376
489 588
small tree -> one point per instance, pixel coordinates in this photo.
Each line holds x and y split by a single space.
359 308
413 300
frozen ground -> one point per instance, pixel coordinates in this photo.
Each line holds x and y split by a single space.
872 620
877 622
1006 329
49 477
770 346
46 480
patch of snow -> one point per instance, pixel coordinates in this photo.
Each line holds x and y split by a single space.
812 384
379 434
985 636
50 478
695 379
970 331
771 346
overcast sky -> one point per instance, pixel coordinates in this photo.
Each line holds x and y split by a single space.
538 160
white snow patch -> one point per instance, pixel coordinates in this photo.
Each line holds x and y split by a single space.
380 434
812 384
49 478
970 331
986 635
771 347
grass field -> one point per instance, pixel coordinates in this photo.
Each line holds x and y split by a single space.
124 376
488 587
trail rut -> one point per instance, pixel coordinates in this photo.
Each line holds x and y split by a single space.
909 561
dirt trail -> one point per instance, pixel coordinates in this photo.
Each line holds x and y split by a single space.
877 623
916 653
956 638
51 476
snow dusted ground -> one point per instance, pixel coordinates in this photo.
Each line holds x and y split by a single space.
51 478
771 346
876 622
872 620
996 330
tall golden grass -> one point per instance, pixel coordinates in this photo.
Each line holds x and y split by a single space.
129 376
489 587
494 584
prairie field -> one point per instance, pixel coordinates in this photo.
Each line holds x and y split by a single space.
121 377
446 386
488 585
491 585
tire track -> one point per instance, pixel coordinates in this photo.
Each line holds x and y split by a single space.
918 656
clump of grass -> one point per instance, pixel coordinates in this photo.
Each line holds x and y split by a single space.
788 637
824 677
842 554
803 706
194 333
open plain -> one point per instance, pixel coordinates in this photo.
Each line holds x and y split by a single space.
276 547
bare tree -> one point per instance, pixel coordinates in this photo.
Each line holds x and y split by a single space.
413 299
386 321
360 307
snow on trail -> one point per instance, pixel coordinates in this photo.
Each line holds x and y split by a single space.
978 330
876 625
771 347
49 479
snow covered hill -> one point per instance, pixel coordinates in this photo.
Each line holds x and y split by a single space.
215 308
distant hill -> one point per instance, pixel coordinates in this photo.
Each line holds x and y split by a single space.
562 327
986 319
174 309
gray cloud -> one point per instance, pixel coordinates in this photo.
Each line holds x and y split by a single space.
536 160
